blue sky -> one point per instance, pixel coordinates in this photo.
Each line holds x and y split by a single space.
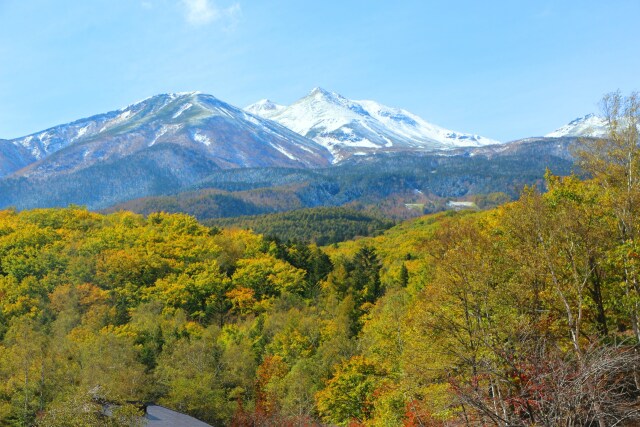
501 69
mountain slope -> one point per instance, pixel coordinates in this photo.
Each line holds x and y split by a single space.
161 144
157 170
393 184
589 125
13 157
349 127
224 134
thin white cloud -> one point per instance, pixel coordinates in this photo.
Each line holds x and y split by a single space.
203 12
233 14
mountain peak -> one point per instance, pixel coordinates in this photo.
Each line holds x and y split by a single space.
163 97
347 127
175 95
588 125
320 91
582 119
228 135
264 108
267 104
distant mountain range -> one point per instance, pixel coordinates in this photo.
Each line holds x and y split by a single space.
175 142
346 127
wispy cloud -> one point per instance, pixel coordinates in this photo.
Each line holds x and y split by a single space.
203 12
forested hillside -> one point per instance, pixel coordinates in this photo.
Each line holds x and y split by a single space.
384 183
442 319
321 226
525 315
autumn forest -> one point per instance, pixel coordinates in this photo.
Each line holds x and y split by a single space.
527 314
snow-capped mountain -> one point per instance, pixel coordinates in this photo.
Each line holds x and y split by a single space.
349 127
219 132
173 142
160 145
589 125
265 108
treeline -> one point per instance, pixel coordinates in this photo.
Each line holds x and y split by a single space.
321 226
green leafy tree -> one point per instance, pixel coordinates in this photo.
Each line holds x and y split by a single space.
350 394
614 162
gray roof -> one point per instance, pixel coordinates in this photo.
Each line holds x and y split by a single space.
159 416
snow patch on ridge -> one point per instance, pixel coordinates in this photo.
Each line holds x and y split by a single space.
125 115
182 109
283 151
81 132
163 130
202 138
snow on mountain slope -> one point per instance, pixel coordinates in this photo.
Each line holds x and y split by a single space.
222 133
349 127
589 125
